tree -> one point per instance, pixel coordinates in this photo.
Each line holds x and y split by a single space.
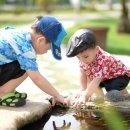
46 5
124 23
76 4
110 3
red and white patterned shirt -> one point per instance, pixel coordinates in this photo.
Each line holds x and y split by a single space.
104 66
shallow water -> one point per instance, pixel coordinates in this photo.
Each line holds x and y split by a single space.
69 120
60 119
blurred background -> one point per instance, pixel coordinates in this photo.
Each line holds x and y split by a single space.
108 18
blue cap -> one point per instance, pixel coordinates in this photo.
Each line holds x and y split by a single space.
54 32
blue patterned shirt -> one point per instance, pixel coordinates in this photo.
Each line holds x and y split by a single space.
17 45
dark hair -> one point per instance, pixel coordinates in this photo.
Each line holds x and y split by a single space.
36 29
34 25
81 40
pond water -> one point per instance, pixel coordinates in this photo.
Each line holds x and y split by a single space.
60 119
69 120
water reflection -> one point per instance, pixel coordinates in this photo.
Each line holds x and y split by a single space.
64 126
69 120
90 120
60 119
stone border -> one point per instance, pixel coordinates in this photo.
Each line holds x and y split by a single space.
14 118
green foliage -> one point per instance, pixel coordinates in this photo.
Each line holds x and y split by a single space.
114 119
2 1
63 1
46 5
45 1
17 9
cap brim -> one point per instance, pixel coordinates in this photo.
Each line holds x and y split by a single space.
55 47
71 50
56 51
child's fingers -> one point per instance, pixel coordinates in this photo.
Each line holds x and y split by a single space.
79 103
67 102
77 95
72 103
53 102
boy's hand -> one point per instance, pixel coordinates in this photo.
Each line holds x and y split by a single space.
62 100
79 93
53 102
80 101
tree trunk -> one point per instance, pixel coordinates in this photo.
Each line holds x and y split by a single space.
110 4
124 23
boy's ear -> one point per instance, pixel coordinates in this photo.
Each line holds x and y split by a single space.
41 39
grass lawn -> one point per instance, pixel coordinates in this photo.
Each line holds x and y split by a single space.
117 43
9 19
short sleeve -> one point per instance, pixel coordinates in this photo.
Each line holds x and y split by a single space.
27 63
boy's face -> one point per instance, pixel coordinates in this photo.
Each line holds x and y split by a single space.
88 56
42 45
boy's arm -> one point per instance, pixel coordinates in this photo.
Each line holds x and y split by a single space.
44 85
83 80
92 87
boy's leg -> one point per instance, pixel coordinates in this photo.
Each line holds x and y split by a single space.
8 96
11 85
11 76
99 91
97 96
119 83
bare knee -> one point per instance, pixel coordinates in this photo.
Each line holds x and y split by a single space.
3 91
12 85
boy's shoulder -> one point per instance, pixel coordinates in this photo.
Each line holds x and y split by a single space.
10 29
6 28
19 39
102 54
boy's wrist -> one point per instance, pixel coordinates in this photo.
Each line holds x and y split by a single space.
86 96
83 89
58 96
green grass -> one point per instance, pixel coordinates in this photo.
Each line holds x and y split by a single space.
9 19
117 43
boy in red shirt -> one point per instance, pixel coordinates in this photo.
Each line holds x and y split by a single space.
97 67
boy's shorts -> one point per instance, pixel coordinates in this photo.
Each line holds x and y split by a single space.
10 71
118 83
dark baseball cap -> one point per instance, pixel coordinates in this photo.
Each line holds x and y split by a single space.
54 32
81 40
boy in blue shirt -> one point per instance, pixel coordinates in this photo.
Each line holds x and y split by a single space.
18 50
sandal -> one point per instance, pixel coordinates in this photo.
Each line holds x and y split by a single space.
11 101
20 95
